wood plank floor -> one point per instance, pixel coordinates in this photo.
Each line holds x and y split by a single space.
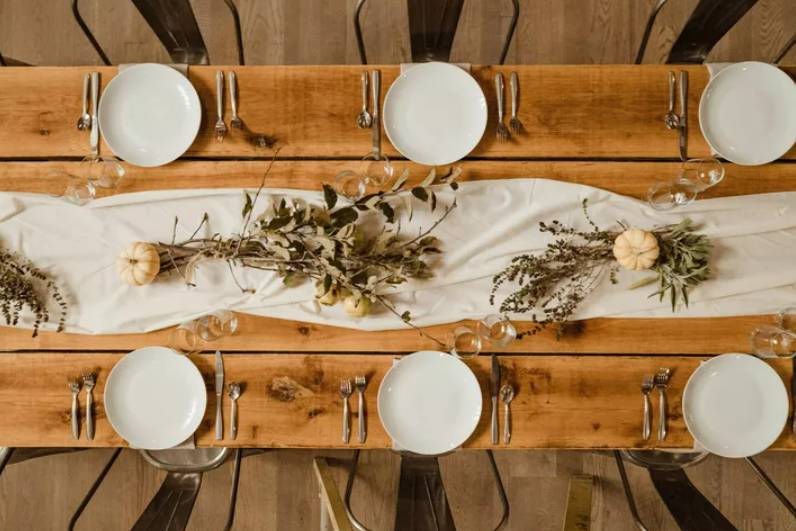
278 491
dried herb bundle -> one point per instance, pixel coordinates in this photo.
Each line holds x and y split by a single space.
552 285
352 247
23 285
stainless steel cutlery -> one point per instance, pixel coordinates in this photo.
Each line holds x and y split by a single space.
494 380
94 134
507 395
84 122
515 124
646 389
360 383
89 379
219 395
221 128
234 390
345 392
501 131
235 122
671 119
375 82
683 115
364 119
661 381
74 386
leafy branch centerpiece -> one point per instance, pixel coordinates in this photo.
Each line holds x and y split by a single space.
353 249
552 285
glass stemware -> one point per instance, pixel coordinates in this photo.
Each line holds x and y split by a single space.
787 319
464 342
497 330
772 341
353 184
189 336
104 172
697 175
703 173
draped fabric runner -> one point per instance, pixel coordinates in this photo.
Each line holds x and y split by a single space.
753 260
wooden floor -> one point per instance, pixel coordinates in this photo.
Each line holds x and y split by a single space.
278 490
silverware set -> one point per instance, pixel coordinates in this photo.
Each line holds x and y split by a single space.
88 122
502 132
660 381
679 121
366 119
256 139
345 390
234 390
503 393
88 380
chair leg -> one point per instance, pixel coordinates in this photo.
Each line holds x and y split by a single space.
233 495
172 505
352 472
648 30
512 26
88 34
689 507
93 489
238 33
333 513
5 456
771 486
631 502
781 55
504 499
422 501
358 32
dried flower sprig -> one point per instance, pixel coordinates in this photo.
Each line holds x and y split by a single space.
553 284
23 285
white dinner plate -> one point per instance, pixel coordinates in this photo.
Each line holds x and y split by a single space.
748 113
735 405
155 398
429 402
149 114
435 113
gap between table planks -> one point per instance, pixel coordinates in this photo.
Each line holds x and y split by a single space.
578 402
572 111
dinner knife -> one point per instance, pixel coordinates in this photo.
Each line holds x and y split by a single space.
94 134
375 84
495 389
793 393
219 394
683 115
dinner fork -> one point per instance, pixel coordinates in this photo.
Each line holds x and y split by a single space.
221 129
88 382
361 383
235 122
661 381
514 123
646 389
345 392
74 386
501 132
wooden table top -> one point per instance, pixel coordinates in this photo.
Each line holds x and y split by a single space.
577 391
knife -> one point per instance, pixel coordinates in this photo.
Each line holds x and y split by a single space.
793 393
219 394
94 135
495 389
376 138
683 115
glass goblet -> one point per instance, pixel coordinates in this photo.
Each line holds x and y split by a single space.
772 341
350 184
464 342
703 173
104 172
671 194
216 325
379 170
787 319
497 330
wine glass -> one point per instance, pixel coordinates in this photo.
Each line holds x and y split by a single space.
104 172
464 342
350 184
703 173
671 194
497 329
217 325
379 169
772 341
787 319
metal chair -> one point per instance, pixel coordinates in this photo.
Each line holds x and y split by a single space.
422 502
708 23
174 23
432 26
238 33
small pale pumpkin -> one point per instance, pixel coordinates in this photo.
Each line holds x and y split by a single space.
330 298
356 308
138 263
636 249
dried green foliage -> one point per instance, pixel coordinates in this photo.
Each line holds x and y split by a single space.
23 285
553 284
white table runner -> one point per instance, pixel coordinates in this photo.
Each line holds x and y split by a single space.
754 236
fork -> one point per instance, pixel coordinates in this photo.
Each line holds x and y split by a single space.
221 129
514 123
74 386
661 381
361 383
235 122
501 132
646 389
88 382
345 392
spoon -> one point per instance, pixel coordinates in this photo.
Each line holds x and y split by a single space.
234 391
364 119
84 122
506 395
671 120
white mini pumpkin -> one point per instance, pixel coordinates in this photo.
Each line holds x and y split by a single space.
138 263
636 249
356 308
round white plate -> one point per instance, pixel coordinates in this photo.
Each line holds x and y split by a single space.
155 398
429 402
149 114
735 405
435 113
748 113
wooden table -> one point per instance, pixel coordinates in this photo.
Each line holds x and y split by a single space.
596 125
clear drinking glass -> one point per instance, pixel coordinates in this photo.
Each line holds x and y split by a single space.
787 319
497 330
703 173
671 194
379 170
184 338
464 342
770 341
104 172
216 325
350 184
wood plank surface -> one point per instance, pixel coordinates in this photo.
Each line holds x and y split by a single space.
586 111
292 400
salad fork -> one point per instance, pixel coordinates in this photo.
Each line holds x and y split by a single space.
234 392
88 382
345 392
661 381
514 123
221 129
502 132
235 122
646 389
361 383
74 386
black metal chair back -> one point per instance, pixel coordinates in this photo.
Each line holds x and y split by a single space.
432 27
